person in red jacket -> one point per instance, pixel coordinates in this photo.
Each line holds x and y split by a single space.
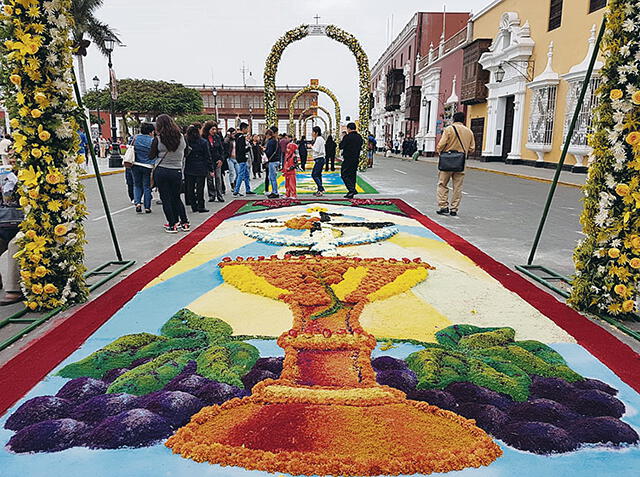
289 170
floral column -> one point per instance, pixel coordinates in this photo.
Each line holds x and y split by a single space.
37 86
608 260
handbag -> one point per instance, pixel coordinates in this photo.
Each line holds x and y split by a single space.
453 161
152 182
10 217
130 156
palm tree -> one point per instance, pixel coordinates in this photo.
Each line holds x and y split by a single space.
87 26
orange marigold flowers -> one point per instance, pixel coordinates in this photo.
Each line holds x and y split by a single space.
41 271
60 230
622 190
635 242
36 113
635 263
628 306
616 94
635 98
15 79
37 289
633 138
44 135
620 289
53 178
30 234
614 253
37 153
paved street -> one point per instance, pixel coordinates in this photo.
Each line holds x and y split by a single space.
499 214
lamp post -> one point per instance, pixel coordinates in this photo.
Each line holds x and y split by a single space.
214 91
251 118
96 84
115 159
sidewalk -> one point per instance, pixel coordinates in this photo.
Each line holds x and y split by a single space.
103 167
568 179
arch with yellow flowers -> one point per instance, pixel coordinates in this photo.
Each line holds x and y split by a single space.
310 118
328 127
339 35
306 89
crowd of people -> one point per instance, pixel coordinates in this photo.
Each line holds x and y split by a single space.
184 162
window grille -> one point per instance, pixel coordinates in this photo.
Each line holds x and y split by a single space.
543 111
595 5
585 118
555 14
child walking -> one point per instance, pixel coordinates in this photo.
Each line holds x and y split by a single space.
289 171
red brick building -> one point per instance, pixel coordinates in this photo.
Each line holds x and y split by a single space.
246 103
395 84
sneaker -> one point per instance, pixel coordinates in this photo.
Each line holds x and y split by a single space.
158 202
138 209
273 196
220 199
443 211
147 211
238 194
212 199
453 213
251 193
171 229
318 194
203 211
185 227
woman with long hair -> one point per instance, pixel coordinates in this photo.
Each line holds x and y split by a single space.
197 167
168 149
212 135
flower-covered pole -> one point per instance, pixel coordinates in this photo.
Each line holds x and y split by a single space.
608 259
306 89
36 82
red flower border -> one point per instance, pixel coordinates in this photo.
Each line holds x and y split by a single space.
41 355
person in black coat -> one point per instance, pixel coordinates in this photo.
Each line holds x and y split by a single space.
330 150
215 182
351 146
302 150
198 165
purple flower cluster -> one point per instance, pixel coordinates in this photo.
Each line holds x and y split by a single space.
82 414
558 416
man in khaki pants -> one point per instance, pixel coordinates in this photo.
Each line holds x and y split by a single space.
450 142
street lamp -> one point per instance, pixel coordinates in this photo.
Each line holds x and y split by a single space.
115 159
214 91
499 74
96 84
424 101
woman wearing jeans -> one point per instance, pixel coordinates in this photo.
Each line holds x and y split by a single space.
168 147
318 159
272 151
142 168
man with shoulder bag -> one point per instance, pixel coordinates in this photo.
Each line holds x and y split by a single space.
456 142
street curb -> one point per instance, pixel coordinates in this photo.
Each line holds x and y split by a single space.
493 171
108 173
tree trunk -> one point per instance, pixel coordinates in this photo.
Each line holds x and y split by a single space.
82 81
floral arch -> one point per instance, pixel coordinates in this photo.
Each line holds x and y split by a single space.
321 108
306 89
314 116
337 34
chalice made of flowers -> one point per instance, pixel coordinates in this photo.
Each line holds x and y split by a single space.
326 415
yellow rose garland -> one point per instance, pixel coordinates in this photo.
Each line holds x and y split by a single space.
37 87
608 259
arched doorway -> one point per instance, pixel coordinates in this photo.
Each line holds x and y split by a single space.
337 34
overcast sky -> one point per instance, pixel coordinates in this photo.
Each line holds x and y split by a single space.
191 41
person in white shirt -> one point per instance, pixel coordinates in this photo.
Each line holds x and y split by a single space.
5 149
319 156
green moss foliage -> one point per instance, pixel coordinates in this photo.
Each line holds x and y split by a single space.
153 375
227 363
119 354
488 357
185 323
198 340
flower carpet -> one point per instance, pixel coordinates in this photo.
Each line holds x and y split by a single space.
331 181
322 337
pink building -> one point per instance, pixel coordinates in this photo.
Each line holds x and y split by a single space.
395 85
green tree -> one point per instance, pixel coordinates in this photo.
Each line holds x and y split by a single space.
608 259
87 28
140 97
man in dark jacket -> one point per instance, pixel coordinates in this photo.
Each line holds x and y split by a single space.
351 146
302 150
242 158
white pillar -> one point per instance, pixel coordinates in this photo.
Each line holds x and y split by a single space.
518 125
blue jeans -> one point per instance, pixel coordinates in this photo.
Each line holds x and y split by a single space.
233 169
243 176
316 174
141 185
273 176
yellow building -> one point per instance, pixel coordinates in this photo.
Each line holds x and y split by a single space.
536 54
